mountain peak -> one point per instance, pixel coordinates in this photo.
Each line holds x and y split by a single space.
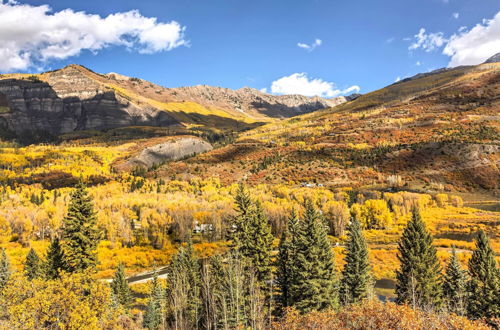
494 59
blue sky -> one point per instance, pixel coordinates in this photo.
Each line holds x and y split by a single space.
236 43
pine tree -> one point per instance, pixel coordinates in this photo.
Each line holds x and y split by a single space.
285 260
5 271
120 287
252 236
357 281
242 200
54 260
32 265
258 244
80 232
185 288
153 314
484 284
454 286
314 284
418 278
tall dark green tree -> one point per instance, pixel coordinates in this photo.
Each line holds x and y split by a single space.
285 260
54 260
314 284
5 270
252 235
120 288
153 314
454 286
184 289
242 200
418 280
80 232
33 266
357 280
484 284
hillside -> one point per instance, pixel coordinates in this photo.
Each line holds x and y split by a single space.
78 99
428 132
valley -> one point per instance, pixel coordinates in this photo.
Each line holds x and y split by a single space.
159 162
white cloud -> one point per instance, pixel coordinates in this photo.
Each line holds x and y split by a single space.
428 41
397 79
455 15
34 35
465 47
299 83
310 47
418 63
263 90
474 46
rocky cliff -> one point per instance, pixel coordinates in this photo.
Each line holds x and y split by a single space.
75 98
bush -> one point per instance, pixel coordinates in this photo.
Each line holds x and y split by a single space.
375 315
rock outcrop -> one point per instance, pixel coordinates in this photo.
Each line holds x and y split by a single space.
168 151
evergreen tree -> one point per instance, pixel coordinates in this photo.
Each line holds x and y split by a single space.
258 244
32 265
418 278
484 284
252 236
54 260
184 288
314 285
120 287
5 271
285 260
153 314
242 200
357 281
80 232
454 286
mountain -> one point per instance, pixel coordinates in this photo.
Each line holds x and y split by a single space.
75 98
494 59
438 130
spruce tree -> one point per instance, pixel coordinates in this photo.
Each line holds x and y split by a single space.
258 244
286 259
314 284
120 288
357 281
54 260
454 286
80 232
5 271
418 278
484 284
242 200
153 314
252 236
32 265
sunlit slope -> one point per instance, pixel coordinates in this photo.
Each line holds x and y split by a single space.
434 131
460 96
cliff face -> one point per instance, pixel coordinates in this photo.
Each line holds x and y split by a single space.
75 98
69 101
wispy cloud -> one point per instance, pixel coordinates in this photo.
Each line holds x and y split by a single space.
311 47
427 41
455 15
300 83
33 35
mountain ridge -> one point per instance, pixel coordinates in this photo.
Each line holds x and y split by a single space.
76 98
